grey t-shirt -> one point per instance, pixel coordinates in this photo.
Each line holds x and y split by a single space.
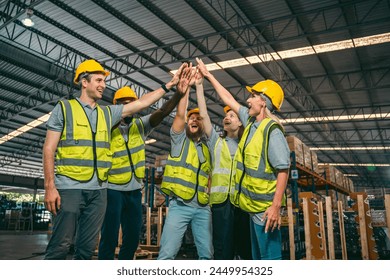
177 142
212 141
134 183
56 123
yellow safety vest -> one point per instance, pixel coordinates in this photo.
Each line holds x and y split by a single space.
186 175
255 179
80 151
221 180
128 158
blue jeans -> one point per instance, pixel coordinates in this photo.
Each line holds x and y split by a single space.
81 212
179 217
124 208
265 246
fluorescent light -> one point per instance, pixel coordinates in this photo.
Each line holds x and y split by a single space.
24 128
233 63
150 141
336 118
349 148
357 164
351 175
304 51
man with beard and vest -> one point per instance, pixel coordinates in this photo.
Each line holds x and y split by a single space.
185 180
231 231
124 197
261 163
78 144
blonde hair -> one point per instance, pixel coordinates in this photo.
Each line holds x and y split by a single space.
273 117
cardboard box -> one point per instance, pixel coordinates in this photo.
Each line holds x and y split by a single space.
295 145
161 160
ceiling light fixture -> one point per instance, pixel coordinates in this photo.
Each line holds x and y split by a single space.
28 22
374 148
24 128
150 141
310 50
357 164
337 118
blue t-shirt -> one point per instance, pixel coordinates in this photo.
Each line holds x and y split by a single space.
56 123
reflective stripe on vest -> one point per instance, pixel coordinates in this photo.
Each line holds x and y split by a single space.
80 151
255 180
221 172
128 158
185 175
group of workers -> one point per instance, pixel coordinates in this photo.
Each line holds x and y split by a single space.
228 187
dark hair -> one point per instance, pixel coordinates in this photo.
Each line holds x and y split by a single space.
239 135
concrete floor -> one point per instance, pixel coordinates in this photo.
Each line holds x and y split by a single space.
27 245
22 245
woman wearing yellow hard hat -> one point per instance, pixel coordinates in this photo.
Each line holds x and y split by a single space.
231 231
261 163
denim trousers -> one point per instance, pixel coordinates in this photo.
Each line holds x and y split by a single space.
124 208
176 223
265 246
78 221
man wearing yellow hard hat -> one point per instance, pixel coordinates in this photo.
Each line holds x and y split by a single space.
79 138
185 180
261 163
124 197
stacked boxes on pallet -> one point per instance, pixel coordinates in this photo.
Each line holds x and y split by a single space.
303 155
296 146
329 172
161 161
314 162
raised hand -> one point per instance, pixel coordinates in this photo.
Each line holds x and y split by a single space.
186 77
202 68
175 79
198 76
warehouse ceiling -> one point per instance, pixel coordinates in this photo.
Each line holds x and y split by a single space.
331 57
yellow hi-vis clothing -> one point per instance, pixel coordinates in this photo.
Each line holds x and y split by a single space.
221 180
255 179
184 176
128 157
81 151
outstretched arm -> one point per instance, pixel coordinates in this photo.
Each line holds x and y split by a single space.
151 97
158 115
226 96
202 103
183 86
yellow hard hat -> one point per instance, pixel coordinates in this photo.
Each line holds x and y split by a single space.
226 109
192 111
89 66
270 89
125 92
